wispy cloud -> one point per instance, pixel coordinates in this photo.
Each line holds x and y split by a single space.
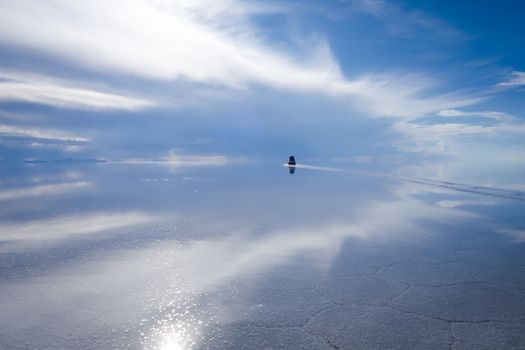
39 89
203 42
516 79
431 138
464 202
61 146
432 131
499 116
401 21
39 133
405 96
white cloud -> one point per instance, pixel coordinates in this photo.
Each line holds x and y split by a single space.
399 95
431 138
434 131
58 93
401 21
199 41
462 202
499 116
38 133
516 79
451 113
376 8
61 146
211 42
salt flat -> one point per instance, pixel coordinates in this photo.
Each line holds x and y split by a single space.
250 257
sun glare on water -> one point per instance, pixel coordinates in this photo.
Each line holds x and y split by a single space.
174 341
177 336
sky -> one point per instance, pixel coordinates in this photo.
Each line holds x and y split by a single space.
214 81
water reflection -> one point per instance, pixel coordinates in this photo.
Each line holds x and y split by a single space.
36 234
41 190
164 267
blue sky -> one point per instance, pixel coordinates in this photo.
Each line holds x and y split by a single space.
356 80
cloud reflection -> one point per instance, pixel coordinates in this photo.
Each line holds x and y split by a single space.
42 190
461 187
45 90
164 282
517 236
39 233
177 161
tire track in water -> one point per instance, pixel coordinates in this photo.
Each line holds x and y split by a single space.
456 186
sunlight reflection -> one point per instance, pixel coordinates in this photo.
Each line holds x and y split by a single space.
175 336
173 342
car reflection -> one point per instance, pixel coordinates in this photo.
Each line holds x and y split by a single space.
291 164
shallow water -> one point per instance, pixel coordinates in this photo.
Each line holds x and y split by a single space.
158 256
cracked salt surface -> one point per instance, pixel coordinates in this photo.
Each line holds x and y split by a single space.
258 260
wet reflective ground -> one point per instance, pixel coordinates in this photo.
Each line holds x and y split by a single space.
140 256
